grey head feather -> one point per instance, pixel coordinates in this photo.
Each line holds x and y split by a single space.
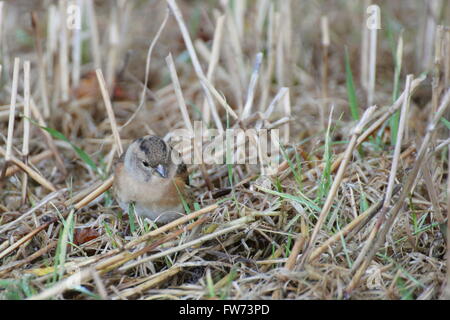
145 156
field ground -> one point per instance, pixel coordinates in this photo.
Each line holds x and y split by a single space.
357 208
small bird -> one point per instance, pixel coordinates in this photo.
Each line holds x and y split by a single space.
146 176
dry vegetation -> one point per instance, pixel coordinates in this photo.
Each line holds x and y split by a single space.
357 209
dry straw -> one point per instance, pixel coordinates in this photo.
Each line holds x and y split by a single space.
109 110
12 110
337 181
26 125
214 58
406 189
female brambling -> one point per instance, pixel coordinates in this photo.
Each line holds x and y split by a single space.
146 176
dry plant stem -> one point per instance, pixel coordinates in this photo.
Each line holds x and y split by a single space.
252 85
85 274
26 126
281 93
24 182
219 97
436 70
392 174
47 199
33 174
436 82
33 160
150 235
298 245
198 69
359 220
24 239
405 154
432 193
4 115
109 110
385 114
442 145
372 66
97 192
29 259
49 140
83 193
398 145
153 280
99 284
12 110
154 245
215 53
182 247
110 157
376 124
336 183
240 141
185 115
4 245
356 230
171 225
406 190
179 94
41 68
66 284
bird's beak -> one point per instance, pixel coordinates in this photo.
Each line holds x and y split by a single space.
162 170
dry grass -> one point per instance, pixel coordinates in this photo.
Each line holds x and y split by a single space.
358 207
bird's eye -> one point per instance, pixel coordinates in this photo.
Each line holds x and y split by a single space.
146 164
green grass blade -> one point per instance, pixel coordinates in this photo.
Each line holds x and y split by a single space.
83 155
58 135
446 123
183 200
210 284
288 196
64 240
296 171
325 181
351 93
132 218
